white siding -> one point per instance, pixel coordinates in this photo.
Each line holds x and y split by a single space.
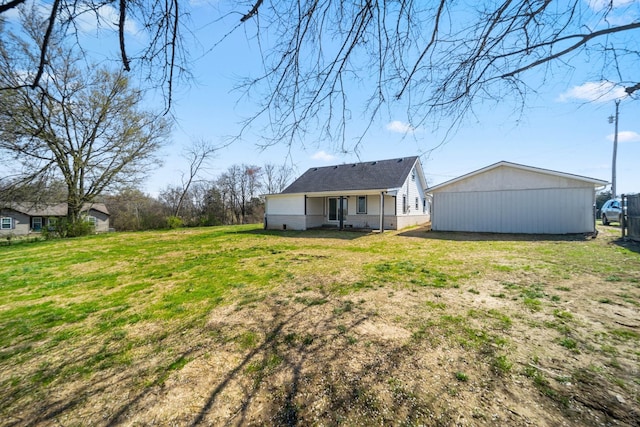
315 206
535 211
285 212
412 190
285 205
285 222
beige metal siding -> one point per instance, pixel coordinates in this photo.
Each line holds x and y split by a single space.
535 211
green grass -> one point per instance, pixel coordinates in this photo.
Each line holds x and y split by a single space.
141 305
462 377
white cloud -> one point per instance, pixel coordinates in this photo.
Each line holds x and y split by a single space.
400 127
603 91
626 136
107 17
324 156
600 5
86 19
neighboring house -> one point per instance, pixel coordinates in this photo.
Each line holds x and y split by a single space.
20 219
511 198
385 194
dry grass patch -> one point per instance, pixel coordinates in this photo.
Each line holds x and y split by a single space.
245 327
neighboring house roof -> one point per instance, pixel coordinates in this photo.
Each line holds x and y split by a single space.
503 163
381 174
53 209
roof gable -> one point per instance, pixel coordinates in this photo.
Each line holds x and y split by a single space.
507 175
374 175
53 209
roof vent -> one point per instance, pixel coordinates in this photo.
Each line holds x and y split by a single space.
399 160
315 169
335 167
353 165
373 163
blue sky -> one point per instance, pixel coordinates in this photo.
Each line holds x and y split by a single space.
564 126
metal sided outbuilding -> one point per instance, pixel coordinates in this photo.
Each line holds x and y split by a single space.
512 198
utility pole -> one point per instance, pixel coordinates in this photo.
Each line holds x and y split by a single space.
615 150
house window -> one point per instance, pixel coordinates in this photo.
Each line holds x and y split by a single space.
417 204
36 223
424 205
405 207
7 223
413 175
362 205
93 221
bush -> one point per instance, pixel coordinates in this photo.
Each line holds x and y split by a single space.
174 222
63 228
79 228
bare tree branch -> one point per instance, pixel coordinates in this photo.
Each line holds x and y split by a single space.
121 24
582 40
325 61
10 5
252 12
45 43
198 154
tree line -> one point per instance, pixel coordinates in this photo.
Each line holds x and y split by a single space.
234 197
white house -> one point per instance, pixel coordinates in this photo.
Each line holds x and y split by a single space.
512 198
384 195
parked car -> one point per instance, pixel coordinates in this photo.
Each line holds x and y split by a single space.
611 211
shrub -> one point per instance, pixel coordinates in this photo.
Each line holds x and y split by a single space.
78 228
174 222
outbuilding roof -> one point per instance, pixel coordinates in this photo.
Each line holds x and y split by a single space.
594 181
373 175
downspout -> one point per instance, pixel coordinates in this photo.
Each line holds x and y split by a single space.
340 212
305 212
382 211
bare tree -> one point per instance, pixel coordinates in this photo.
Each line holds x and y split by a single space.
198 154
240 185
275 178
435 59
132 210
81 124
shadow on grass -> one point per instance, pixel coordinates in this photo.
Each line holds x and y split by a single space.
312 366
316 233
310 369
426 233
631 245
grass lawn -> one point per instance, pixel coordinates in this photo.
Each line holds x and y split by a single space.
240 326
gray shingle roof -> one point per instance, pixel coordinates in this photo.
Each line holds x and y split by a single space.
381 174
53 209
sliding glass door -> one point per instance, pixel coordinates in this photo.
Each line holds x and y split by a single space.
334 208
